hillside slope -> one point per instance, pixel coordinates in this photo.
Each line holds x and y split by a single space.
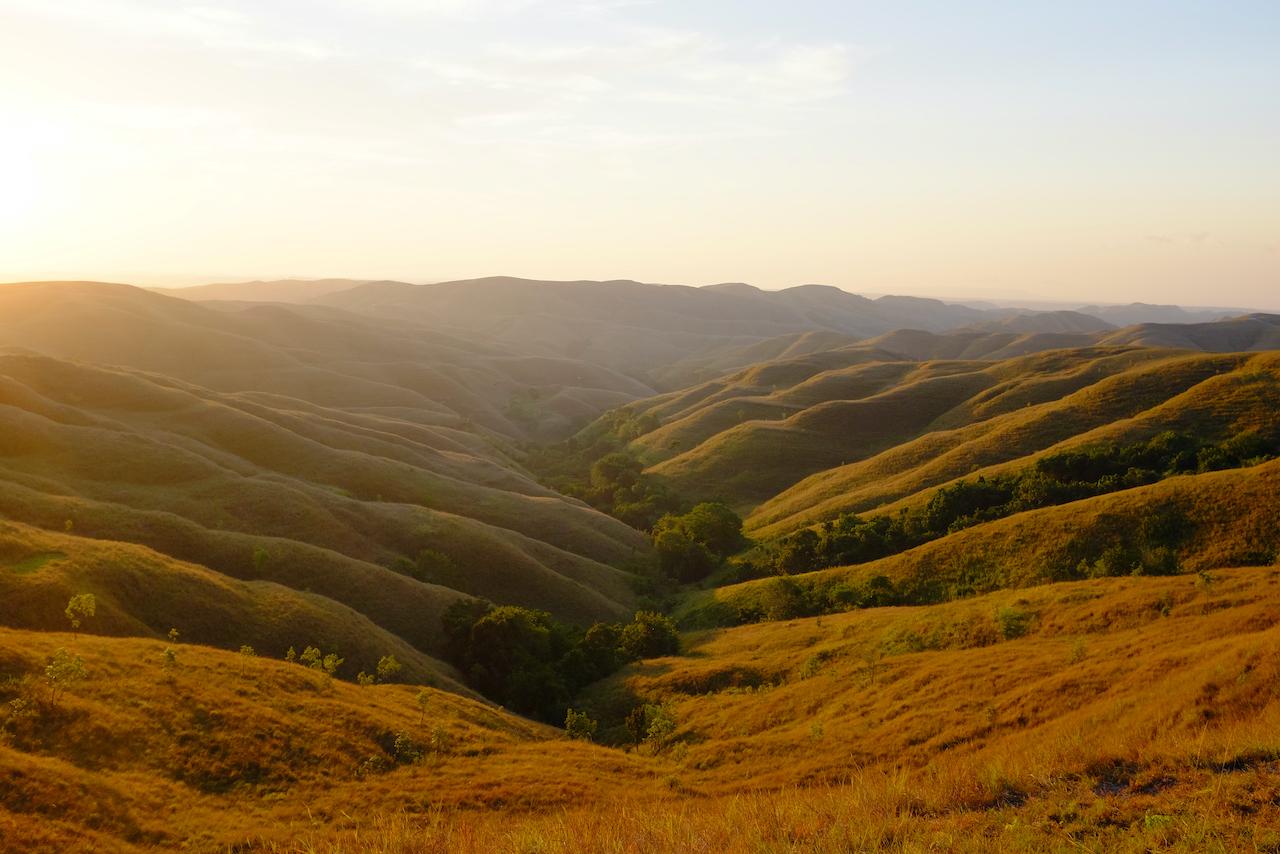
953 727
370 511
1149 391
321 355
820 419
141 593
1224 518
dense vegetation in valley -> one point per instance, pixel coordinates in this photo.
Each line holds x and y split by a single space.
535 665
1053 479
336 573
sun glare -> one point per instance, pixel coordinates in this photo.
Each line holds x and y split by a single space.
19 178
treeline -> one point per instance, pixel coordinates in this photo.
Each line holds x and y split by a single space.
533 664
1112 545
1055 479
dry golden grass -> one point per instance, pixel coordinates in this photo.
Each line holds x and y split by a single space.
815 440
1231 518
1210 396
221 749
1133 714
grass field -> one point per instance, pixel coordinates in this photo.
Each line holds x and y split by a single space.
1126 714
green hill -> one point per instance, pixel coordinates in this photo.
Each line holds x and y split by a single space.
354 506
1224 518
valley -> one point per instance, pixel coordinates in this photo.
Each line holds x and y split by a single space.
469 566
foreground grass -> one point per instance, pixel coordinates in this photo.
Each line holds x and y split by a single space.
1181 808
1127 714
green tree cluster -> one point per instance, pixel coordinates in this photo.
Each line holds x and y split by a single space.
693 545
1054 479
534 664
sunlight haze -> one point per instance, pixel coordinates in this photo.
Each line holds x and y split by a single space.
1090 152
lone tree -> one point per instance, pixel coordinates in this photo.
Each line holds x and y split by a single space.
81 607
388 667
423 699
63 671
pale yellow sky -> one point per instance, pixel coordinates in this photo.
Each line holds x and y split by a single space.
1106 152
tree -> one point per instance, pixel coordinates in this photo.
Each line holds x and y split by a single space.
388 667
680 556
715 526
660 725
580 725
637 723
798 552
650 635
63 671
81 607
616 470
423 699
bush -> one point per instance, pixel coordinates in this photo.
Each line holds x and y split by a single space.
407 751
1012 622
650 635
63 671
388 668
81 607
579 725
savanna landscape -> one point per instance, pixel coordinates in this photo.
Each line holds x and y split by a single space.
916 487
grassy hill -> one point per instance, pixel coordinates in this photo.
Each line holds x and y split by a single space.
830 418
320 355
376 513
954 727
142 593
1007 588
1134 395
795 441
1225 518
217 751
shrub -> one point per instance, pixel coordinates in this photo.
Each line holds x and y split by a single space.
407 751
1012 622
63 671
81 607
388 668
579 725
660 725
650 635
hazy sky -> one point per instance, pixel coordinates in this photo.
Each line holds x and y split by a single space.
1059 150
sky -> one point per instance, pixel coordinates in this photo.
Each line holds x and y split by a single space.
1078 152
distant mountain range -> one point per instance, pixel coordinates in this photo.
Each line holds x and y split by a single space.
668 335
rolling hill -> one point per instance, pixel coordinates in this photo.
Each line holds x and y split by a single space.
646 331
781 436
370 511
319 355
1010 580
1013 720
